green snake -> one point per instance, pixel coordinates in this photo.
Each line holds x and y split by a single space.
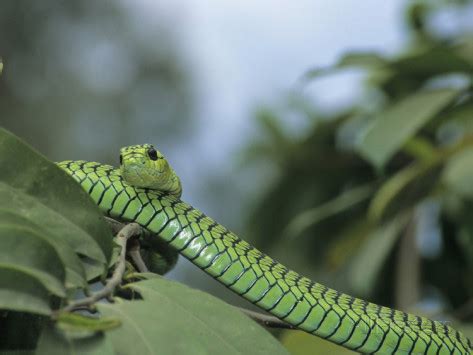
146 190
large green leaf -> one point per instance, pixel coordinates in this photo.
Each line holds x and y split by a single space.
397 124
25 169
175 319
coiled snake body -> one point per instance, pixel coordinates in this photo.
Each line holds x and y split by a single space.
146 190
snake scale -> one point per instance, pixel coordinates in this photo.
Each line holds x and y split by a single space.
146 190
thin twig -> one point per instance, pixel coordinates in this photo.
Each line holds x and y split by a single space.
135 255
122 237
265 320
133 250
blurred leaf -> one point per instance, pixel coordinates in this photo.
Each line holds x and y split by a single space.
79 322
370 258
54 341
302 343
344 201
352 59
175 319
434 61
26 170
395 189
458 173
393 127
420 149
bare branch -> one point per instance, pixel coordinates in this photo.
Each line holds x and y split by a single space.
266 320
122 237
135 255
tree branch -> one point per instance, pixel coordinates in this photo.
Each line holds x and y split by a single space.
123 236
266 320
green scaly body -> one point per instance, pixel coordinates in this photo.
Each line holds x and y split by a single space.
350 322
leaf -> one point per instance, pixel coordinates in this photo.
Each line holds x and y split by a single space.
353 59
26 170
398 123
312 216
27 251
75 276
78 322
302 343
396 187
22 292
175 319
458 172
370 258
54 341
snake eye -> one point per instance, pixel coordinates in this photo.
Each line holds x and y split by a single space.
121 159
153 154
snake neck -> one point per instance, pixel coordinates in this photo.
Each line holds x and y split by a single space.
345 320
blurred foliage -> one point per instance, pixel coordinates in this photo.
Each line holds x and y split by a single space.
377 200
70 66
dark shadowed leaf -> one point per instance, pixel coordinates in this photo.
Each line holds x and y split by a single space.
54 341
22 292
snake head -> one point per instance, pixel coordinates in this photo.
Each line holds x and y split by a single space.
144 166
